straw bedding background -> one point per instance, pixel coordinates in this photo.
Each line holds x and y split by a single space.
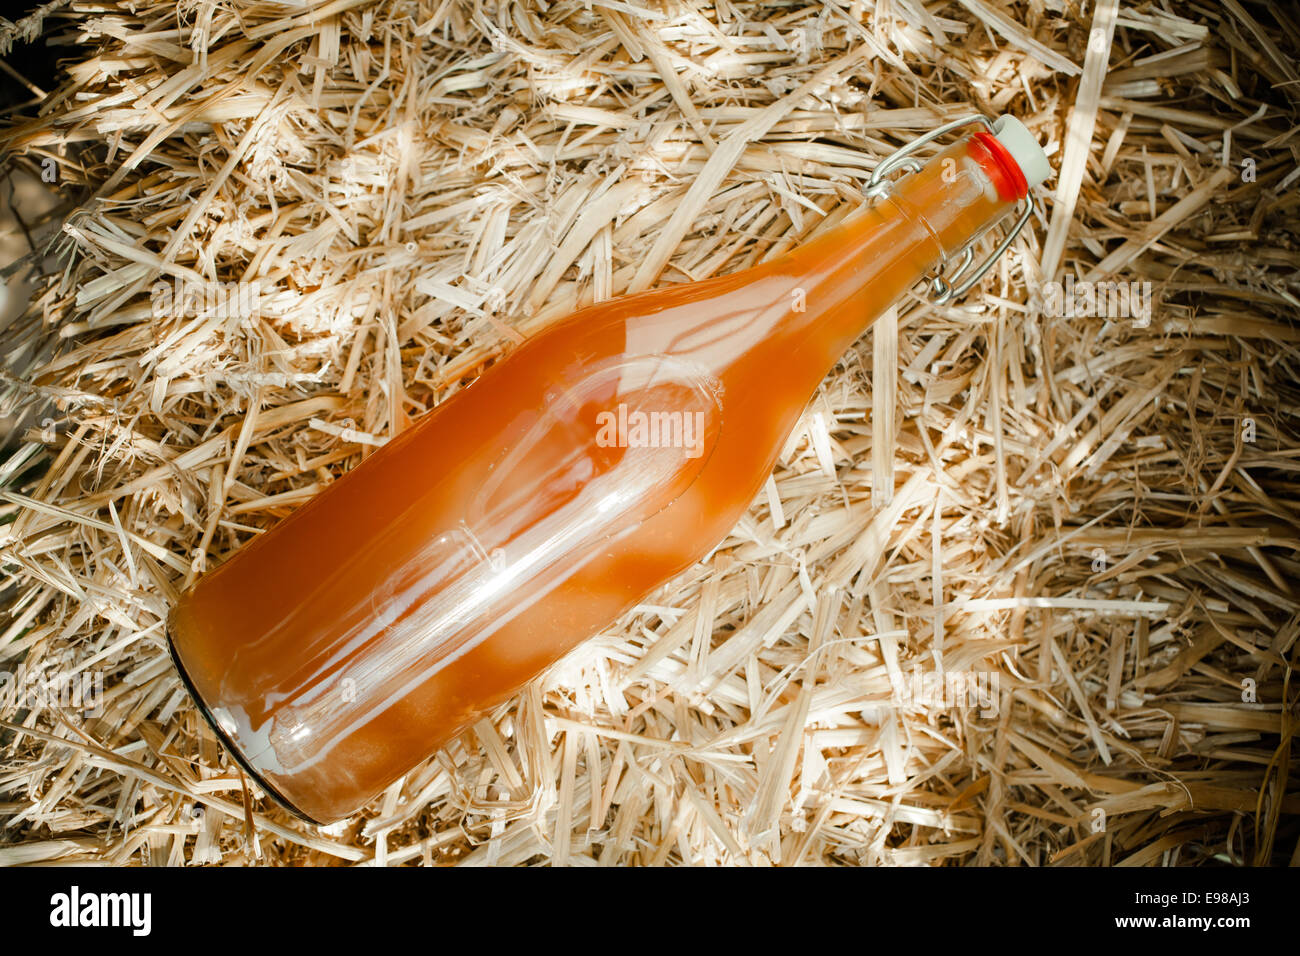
1089 519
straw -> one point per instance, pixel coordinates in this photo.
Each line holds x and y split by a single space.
1020 590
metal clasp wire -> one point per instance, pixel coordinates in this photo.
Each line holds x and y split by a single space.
941 289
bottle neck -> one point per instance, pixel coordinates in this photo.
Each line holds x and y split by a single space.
961 193
801 311
857 270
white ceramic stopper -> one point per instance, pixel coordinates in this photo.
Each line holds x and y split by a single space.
1024 149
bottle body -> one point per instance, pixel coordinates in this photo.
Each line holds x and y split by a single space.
596 461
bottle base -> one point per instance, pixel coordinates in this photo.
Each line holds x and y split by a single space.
229 745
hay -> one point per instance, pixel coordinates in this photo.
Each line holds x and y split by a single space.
1095 511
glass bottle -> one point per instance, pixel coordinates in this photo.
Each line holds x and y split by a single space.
338 650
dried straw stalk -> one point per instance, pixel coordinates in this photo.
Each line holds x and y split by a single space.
1096 510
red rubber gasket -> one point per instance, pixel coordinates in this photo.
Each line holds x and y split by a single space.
1001 167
